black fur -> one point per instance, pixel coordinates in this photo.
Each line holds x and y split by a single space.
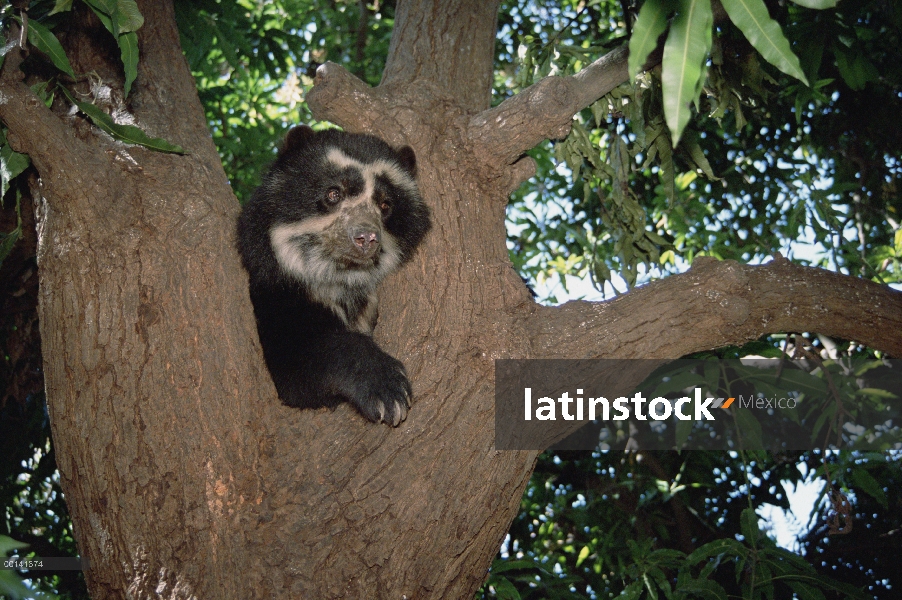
334 215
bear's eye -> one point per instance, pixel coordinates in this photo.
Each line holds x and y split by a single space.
385 207
333 196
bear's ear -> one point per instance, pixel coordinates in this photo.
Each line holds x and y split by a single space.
297 136
408 160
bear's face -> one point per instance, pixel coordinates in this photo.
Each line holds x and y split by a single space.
340 233
344 209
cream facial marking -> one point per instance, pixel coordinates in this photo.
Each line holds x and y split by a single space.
370 171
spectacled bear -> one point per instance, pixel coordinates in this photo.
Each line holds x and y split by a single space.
334 215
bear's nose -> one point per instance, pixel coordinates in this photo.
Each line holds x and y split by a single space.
367 241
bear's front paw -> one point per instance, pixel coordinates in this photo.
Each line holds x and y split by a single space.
382 392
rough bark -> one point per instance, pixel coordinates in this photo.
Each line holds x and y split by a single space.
184 475
157 457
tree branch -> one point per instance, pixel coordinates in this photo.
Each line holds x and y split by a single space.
163 76
341 98
33 129
543 110
362 30
721 303
426 32
601 77
715 304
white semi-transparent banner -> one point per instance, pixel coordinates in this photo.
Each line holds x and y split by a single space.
743 404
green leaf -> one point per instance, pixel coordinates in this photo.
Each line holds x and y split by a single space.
118 16
7 544
650 24
61 6
828 413
752 18
107 7
683 64
876 392
505 590
652 590
865 481
816 4
7 241
43 39
40 90
104 16
849 592
11 164
130 18
700 160
748 522
106 12
702 588
121 19
4 48
803 591
855 69
12 587
225 39
500 566
124 133
749 429
764 582
681 432
128 45
665 165
583 555
633 591
721 546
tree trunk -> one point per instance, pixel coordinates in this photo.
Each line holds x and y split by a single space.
184 475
